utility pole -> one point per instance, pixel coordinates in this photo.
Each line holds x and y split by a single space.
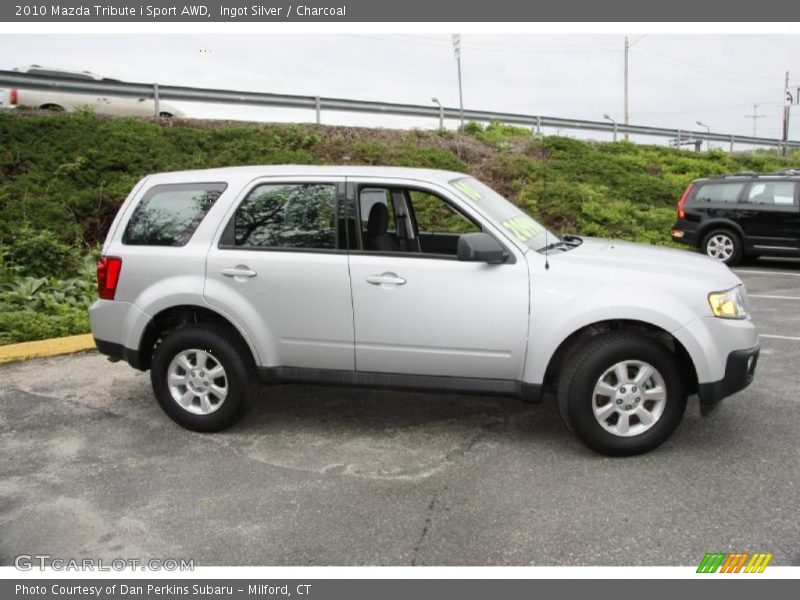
755 116
457 52
787 98
627 49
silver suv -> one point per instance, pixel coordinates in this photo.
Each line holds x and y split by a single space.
221 280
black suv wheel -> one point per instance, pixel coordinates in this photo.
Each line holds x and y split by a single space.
723 245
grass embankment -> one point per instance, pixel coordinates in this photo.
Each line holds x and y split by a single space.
62 178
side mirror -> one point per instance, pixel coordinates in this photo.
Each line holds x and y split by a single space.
481 247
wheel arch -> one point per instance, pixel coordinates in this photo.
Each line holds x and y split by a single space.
578 337
712 224
179 316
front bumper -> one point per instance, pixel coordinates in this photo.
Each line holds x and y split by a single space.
740 369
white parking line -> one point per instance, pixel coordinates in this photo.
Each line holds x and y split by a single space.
776 273
769 297
779 337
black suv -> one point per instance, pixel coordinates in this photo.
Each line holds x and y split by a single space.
731 216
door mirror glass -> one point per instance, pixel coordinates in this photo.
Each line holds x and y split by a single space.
481 247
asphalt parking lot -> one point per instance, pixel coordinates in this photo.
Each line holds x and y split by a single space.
91 467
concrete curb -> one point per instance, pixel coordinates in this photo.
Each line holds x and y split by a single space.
44 348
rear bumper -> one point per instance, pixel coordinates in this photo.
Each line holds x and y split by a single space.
740 369
119 352
685 233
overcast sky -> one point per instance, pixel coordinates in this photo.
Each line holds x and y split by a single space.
675 80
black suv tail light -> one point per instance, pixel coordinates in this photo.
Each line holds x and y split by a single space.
682 201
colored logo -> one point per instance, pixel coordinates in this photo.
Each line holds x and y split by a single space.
734 562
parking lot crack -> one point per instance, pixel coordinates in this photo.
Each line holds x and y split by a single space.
425 528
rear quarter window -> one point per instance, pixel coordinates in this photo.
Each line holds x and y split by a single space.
168 215
718 192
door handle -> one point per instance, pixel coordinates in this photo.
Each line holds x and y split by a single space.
238 272
386 279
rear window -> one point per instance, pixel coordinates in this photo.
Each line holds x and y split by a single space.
168 215
719 192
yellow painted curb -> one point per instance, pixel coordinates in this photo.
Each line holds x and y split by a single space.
43 348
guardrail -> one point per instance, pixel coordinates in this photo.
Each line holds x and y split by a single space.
318 104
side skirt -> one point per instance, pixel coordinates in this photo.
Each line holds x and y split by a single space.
528 392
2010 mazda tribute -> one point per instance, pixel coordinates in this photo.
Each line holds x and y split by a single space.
219 280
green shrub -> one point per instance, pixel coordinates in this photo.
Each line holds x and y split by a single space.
39 253
27 325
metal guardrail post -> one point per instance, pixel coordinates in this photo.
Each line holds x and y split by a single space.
539 125
156 102
318 107
733 139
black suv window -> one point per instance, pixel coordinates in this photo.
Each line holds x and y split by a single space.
287 216
718 192
778 193
168 214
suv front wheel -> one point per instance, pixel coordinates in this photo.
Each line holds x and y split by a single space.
622 393
201 378
724 246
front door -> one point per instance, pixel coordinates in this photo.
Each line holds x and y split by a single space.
421 311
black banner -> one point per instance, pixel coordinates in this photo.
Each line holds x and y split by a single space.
348 589
406 11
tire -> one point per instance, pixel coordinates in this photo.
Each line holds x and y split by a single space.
723 245
52 107
592 365
204 348
165 115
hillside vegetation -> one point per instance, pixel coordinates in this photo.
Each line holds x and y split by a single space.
62 178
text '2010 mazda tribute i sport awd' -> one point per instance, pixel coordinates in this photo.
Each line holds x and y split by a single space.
219 280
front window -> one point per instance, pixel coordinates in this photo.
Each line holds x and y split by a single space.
519 224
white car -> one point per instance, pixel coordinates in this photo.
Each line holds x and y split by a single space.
67 101
221 279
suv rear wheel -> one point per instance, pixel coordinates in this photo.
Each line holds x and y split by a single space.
724 246
203 380
622 394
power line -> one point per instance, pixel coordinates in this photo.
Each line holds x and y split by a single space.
698 68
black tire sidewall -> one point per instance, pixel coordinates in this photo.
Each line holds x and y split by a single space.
240 384
594 360
736 255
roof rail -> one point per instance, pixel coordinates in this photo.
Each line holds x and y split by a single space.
740 174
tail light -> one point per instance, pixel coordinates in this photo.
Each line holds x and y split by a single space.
682 201
108 270
13 97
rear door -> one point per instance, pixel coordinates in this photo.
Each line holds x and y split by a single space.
280 270
770 215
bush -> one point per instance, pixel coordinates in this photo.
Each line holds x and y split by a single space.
39 253
33 308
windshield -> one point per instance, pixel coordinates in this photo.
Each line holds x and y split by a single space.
522 226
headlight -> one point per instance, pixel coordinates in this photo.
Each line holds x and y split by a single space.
729 304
